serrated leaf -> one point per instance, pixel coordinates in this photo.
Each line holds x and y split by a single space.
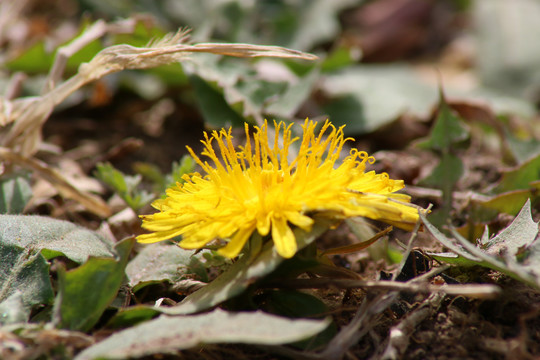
169 334
240 275
25 271
85 292
163 262
15 192
444 176
515 251
53 237
448 130
519 235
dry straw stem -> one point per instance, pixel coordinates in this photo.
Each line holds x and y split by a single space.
89 201
22 119
479 291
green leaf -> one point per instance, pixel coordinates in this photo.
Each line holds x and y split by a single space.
504 34
521 177
85 292
24 271
297 304
446 173
445 176
212 104
164 262
53 237
132 316
448 130
15 192
161 182
125 186
34 60
302 25
291 303
228 91
240 275
520 234
522 149
339 58
287 104
509 202
37 59
369 96
169 334
179 169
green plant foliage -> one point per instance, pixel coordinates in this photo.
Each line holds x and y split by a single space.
338 59
240 275
52 237
164 262
162 182
296 304
521 177
15 192
34 60
300 25
515 251
132 316
169 334
85 292
509 202
24 277
369 96
212 104
446 136
515 187
447 132
179 169
522 149
228 92
290 100
124 185
13 309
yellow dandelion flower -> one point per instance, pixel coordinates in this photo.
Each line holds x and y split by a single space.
258 188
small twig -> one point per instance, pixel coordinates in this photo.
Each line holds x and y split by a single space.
480 291
413 236
436 194
399 338
94 32
14 86
357 246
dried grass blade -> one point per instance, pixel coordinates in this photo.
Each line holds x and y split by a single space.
93 203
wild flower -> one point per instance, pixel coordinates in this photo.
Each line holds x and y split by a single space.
268 187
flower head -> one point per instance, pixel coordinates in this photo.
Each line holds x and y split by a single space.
262 187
